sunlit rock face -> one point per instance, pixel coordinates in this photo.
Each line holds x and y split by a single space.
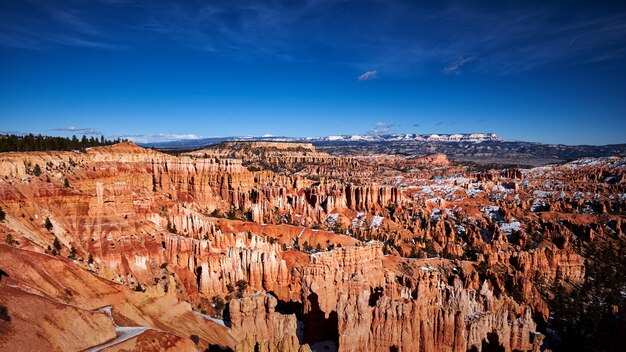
276 246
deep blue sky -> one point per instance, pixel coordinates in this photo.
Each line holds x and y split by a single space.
545 71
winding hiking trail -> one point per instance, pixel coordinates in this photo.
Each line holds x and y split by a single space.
123 332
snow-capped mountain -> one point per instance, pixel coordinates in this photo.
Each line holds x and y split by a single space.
457 137
399 137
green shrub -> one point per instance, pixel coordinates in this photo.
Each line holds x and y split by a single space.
195 339
72 253
4 313
219 304
242 285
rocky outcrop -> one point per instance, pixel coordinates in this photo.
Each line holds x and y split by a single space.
255 320
378 309
37 323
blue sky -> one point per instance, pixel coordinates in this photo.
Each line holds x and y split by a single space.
551 72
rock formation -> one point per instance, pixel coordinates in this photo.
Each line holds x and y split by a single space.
280 247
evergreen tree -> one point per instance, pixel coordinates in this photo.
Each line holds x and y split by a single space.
48 224
56 244
72 253
30 142
242 285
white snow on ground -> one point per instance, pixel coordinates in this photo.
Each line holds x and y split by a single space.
107 310
473 192
359 220
541 194
215 320
537 204
332 218
508 228
493 211
123 333
427 190
475 316
376 221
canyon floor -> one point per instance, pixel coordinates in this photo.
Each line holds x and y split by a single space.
272 246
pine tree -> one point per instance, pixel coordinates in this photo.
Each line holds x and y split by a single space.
56 244
242 285
48 224
72 253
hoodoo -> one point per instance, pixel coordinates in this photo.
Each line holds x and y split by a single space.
280 247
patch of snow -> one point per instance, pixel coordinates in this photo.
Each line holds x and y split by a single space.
215 320
428 191
376 221
538 204
335 138
508 228
541 194
123 333
332 218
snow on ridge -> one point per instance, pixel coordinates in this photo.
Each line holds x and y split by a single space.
432 137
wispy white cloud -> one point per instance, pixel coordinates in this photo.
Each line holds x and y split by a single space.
412 37
74 21
368 75
160 137
79 130
382 128
454 68
19 133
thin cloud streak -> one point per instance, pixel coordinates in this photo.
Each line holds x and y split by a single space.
369 75
513 39
454 68
160 137
381 128
85 130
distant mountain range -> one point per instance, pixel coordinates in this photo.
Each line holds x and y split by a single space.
407 137
486 148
